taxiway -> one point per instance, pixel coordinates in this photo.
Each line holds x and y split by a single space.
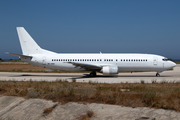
147 77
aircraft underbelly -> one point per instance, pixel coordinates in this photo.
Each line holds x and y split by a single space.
68 67
134 69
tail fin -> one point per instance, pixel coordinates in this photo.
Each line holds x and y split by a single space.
28 45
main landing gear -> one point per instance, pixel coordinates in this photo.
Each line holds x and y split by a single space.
92 74
157 74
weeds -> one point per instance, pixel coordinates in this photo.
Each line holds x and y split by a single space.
142 81
73 80
48 110
150 98
19 70
153 81
163 81
164 95
93 83
31 93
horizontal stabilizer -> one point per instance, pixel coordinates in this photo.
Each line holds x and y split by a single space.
20 56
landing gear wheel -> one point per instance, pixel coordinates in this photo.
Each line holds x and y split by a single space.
157 74
92 74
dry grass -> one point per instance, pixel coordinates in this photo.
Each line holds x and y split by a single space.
29 68
20 68
48 110
157 95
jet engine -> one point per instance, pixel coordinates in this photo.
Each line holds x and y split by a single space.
110 70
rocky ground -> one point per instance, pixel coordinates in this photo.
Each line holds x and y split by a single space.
18 108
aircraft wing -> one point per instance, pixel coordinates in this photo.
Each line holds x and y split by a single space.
20 56
88 67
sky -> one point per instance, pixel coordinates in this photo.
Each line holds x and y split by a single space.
91 26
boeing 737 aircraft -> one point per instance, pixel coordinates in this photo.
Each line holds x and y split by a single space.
103 63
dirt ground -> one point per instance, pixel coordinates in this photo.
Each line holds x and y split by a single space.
20 67
25 67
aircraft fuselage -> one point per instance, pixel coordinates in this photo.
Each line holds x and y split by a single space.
102 62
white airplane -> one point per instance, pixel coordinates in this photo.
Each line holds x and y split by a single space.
103 63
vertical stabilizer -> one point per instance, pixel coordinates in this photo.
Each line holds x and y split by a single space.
28 45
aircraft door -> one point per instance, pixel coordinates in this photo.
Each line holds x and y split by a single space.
155 60
163 64
44 60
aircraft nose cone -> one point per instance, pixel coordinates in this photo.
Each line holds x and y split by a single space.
173 64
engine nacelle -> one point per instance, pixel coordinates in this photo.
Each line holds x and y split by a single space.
110 70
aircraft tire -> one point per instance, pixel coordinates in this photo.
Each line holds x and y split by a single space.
157 75
93 74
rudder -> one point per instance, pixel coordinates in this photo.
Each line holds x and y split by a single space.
28 45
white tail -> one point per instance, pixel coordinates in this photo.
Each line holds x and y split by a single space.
28 45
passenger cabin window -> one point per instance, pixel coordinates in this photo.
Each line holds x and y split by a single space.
125 60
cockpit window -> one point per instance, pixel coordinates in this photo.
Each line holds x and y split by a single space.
165 59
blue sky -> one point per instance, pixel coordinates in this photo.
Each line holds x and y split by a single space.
91 26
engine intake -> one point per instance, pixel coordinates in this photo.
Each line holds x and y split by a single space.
110 70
